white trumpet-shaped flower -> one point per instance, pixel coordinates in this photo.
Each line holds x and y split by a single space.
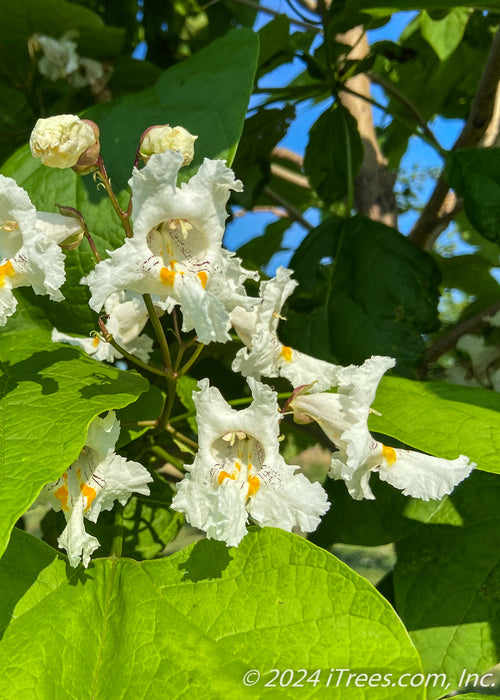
127 316
97 479
343 416
175 253
29 250
264 354
239 473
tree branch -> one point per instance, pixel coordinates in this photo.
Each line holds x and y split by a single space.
294 213
290 176
426 229
374 183
287 154
469 325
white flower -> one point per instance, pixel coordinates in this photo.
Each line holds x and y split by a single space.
29 250
60 58
127 316
343 417
238 472
264 354
60 141
97 479
175 254
158 139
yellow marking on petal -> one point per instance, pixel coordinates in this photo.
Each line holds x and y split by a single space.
224 475
237 465
62 496
6 270
389 455
9 226
167 276
89 493
286 353
203 277
253 486
95 341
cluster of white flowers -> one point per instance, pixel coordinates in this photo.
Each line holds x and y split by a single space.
60 61
175 255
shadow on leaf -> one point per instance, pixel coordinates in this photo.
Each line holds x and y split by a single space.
208 559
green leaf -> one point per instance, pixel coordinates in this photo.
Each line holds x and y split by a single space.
482 696
381 291
442 419
446 582
388 518
208 94
147 407
472 274
474 173
334 153
444 35
184 389
426 4
193 624
275 47
258 252
262 131
50 394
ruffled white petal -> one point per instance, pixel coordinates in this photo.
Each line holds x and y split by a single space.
238 471
79 545
127 316
423 476
91 484
264 354
29 254
343 417
175 254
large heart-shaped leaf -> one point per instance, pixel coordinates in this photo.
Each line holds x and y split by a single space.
195 624
50 393
446 583
445 420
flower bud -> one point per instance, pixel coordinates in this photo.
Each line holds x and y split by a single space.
62 141
75 238
158 139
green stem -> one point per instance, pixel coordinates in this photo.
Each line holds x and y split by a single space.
164 416
183 438
163 454
191 360
350 173
160 334
248 399
108 338
117 543
124 216
92 245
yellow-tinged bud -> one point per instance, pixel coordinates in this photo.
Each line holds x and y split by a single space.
158 139
65 141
